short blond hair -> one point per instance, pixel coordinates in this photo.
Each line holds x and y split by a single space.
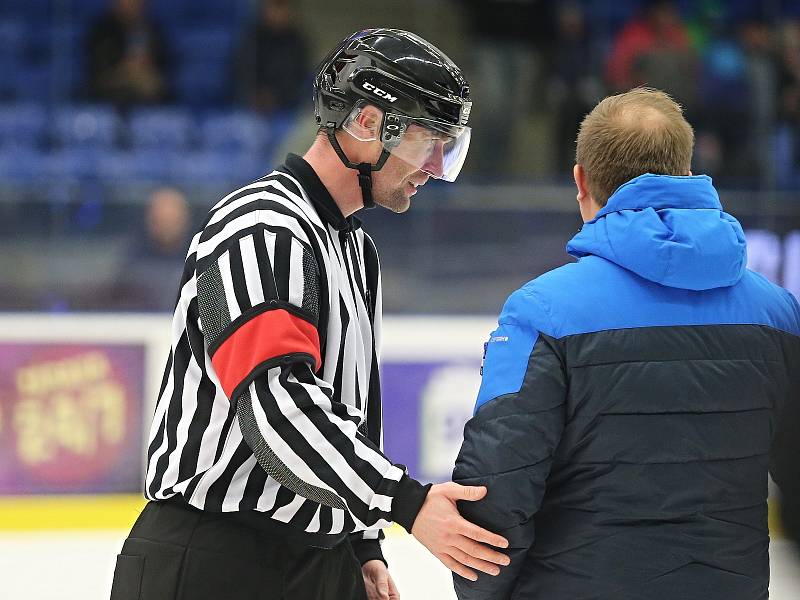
627 135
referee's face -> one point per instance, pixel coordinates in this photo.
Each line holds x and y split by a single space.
395 183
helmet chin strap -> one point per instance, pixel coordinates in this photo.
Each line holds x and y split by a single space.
364 169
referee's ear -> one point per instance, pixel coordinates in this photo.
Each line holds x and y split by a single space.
368 122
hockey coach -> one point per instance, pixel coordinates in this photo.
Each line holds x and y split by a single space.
265 473
630 400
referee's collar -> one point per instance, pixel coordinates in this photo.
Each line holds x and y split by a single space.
320 196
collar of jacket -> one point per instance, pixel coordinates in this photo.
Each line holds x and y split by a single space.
318 194
662 191
668 230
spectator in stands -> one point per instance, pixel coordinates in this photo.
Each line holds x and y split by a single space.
157 254
654 50
761 69
272 63
789 75
126 57
508 38
573 86
724 95
788 137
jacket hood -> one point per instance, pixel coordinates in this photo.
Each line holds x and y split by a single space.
670 230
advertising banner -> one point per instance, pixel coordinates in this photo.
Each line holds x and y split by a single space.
77 394
425 407
71 417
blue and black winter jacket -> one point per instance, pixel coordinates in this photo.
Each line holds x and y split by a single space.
628 405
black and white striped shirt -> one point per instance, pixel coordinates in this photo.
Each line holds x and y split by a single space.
270 400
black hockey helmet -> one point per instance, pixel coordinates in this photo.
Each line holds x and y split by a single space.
422 93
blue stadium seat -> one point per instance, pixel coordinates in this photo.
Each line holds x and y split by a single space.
40 43
203 83
22 164
22 125
32 82
206 43
33 11
51 63
13 38
68 54
236 131
72 163
13 42
281 124
208 11
203 165
219 167
200 12
87 10
89 126
161 128
138 164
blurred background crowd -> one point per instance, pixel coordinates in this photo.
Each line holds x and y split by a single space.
123 121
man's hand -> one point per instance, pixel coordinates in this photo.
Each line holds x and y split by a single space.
452 539
378 582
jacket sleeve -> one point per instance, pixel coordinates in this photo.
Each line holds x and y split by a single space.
786 442
510 441
259 304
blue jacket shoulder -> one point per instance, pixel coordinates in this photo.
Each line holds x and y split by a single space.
781 307
594 294
556 302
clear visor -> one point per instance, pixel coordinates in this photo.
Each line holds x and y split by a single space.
439 149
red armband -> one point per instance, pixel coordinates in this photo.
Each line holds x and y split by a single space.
269 335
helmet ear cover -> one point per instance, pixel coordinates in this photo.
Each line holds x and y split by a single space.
392 131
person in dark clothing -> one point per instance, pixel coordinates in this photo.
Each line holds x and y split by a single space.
156 254
126 57
625 419
508 39
788 135
573 85
272 64
654 49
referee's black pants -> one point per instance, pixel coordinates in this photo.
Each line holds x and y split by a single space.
176 552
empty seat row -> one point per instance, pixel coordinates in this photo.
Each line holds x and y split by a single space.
180 12
102 127
29 166
194 83
47 61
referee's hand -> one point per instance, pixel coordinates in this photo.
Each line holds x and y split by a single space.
452 539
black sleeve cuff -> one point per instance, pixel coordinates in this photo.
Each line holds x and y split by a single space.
408 500
367 550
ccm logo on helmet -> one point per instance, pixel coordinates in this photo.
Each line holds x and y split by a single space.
378 91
